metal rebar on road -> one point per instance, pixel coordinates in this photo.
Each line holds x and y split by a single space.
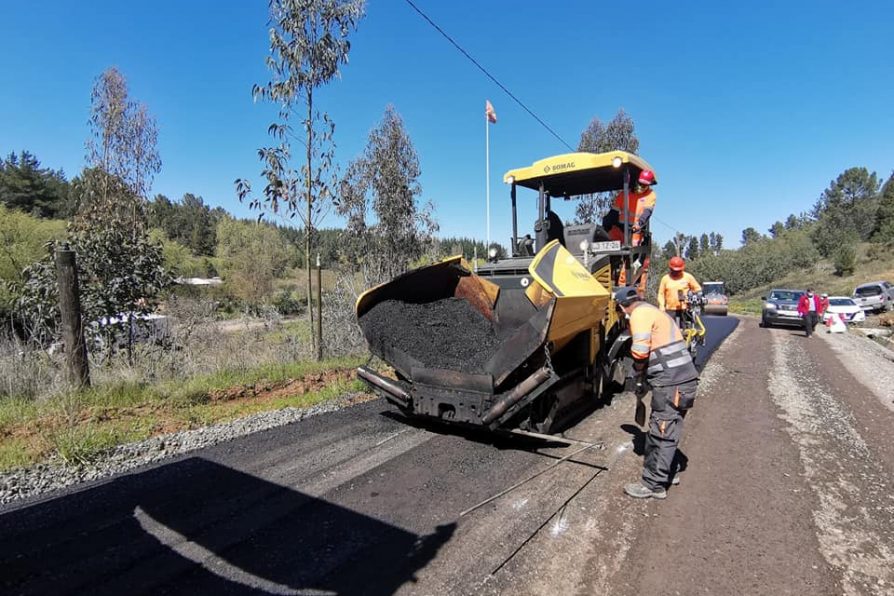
526 480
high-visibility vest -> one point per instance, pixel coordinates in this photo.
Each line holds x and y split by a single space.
669 290
637 203
657 337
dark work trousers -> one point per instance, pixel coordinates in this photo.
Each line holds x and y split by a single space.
810 321
669 407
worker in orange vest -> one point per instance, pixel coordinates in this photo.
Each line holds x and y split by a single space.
640 205
661 359
675 287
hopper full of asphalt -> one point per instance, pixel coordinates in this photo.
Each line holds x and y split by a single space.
443 334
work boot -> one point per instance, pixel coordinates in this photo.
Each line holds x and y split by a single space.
637 490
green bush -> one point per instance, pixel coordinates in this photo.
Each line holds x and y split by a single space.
845 259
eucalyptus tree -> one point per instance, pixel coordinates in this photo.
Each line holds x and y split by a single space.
380 198
308 44
120 267
618 134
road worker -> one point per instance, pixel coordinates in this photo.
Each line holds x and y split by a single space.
640 205
662 361
675 287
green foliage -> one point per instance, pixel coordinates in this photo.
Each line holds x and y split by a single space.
26 186
669 250
121 270
884 228
758 262
692 249
777 229
251 256
308 45
179 260
467 247
845 259
618 134
189 222
388 226
23 240
750 235
846 211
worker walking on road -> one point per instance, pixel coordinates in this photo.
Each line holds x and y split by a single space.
660 358
809 309
674 288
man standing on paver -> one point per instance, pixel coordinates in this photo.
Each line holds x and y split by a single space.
660 357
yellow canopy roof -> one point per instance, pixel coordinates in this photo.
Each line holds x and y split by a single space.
579 173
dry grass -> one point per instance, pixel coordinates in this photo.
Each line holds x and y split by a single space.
259 363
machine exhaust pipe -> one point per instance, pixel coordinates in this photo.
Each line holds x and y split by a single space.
394 392
518 392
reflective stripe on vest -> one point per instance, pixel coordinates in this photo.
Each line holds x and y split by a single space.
671 364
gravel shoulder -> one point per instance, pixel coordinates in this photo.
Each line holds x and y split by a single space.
45 480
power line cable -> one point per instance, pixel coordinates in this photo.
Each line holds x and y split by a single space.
488 75
506 90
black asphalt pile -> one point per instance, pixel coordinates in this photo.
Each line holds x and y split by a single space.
448 333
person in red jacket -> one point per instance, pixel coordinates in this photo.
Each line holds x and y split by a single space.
809 309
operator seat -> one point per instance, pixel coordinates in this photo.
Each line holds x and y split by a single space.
556 229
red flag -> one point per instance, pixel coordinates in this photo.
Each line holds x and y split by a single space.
489 112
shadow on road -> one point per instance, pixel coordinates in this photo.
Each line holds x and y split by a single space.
195 526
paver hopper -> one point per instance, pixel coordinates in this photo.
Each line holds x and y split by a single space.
524 342
520 358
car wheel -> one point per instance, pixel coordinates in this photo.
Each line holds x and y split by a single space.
764 323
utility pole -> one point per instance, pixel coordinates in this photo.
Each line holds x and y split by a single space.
76 363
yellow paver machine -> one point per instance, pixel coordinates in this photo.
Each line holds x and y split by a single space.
527 342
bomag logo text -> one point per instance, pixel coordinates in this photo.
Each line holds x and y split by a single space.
560 167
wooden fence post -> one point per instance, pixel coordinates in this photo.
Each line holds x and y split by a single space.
319 321
76 363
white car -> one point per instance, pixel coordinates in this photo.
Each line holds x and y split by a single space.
849 310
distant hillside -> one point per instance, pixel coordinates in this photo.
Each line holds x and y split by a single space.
874 262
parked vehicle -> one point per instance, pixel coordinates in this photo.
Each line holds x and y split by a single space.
845 308
875 296
716 299
781 308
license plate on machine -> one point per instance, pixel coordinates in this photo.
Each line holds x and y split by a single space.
605 246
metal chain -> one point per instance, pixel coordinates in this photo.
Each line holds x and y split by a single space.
549 361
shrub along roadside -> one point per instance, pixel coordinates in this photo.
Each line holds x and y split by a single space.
78 427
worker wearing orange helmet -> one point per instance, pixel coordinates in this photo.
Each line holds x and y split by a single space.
640 205
674 288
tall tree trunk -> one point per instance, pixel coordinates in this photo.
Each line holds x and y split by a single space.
308 224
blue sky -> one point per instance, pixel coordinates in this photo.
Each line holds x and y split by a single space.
746 110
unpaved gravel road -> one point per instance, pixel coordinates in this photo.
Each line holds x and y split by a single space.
788 490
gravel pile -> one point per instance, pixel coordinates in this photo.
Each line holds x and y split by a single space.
448 333
55 474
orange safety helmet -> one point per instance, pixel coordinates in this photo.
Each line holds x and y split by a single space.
647 177
677 264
